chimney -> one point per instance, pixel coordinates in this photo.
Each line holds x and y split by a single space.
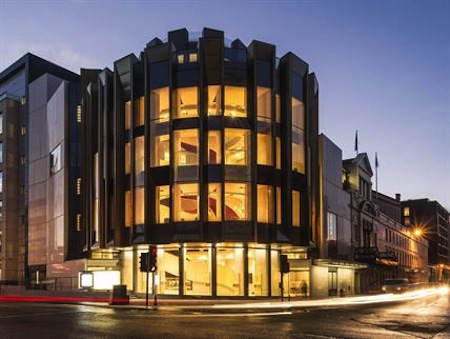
398 197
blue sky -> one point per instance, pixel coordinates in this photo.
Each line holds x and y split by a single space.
383 66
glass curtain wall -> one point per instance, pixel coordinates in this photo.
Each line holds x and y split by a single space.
230 271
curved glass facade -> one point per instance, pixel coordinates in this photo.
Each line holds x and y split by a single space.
204 149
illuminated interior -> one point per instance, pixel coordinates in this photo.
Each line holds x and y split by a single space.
186 102
237 201
264 104
214 100
214 149
265 203
128 209
159 104
139 111
230 271
214 202
235 101
295 208
237 146
185 202
127 115
160 156
139 205
162 200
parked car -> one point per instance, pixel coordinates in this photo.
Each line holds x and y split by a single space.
396 286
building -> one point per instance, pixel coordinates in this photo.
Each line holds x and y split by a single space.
432 221
207 149
38 168
389 248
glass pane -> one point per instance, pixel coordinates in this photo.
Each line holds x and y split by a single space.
237 146
159 104
186 154
128 115
278 203
162 199
265 204
237 201
139 161
169 271
186 202
214 202
214 149
264 107
278 152
298 151
127 158
160 144
276 278
139 111
186 102
296 208
139 205
298 114
214 100
230 271
128 209
257 272
235 101
277 108
264 152
197 265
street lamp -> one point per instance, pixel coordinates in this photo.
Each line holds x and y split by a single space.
418 232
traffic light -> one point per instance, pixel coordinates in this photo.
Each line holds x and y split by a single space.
284 264
143 262
153 258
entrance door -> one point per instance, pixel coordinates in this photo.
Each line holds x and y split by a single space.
332 282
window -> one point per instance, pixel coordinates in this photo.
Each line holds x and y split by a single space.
264 103
139 111
162 199
185 202
23 130
23 159
160 144
214 149
139 165
406 211
139 205
78 186
214 100
237 201
128 209
296 208
159 104
265 204
192 57
180 58
278 152
277 108
79 115
23 100
278 205
128 115
55 160
331 226
237 146
235 101
214 202
186 154
78 222
298 142
1 122
186 102
264 151
127 158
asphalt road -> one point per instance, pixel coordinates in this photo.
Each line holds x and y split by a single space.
423 318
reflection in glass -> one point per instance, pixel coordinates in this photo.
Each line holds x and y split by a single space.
295 208
298 113
235 101
214 149
265 203
160 144
139 161
237 146
162 200
186 102
185 202
264 151
230 271
214 100
159 104
237 201
214 202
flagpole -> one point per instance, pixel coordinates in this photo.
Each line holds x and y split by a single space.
356 142
376 174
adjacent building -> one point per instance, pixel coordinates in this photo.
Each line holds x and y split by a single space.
431 220
39 141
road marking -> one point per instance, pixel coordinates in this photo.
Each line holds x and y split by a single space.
36 314
196 315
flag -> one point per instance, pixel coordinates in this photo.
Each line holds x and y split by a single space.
356 142
376 160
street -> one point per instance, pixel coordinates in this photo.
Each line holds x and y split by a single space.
427 317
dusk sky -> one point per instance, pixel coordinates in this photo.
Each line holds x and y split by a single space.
383 66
